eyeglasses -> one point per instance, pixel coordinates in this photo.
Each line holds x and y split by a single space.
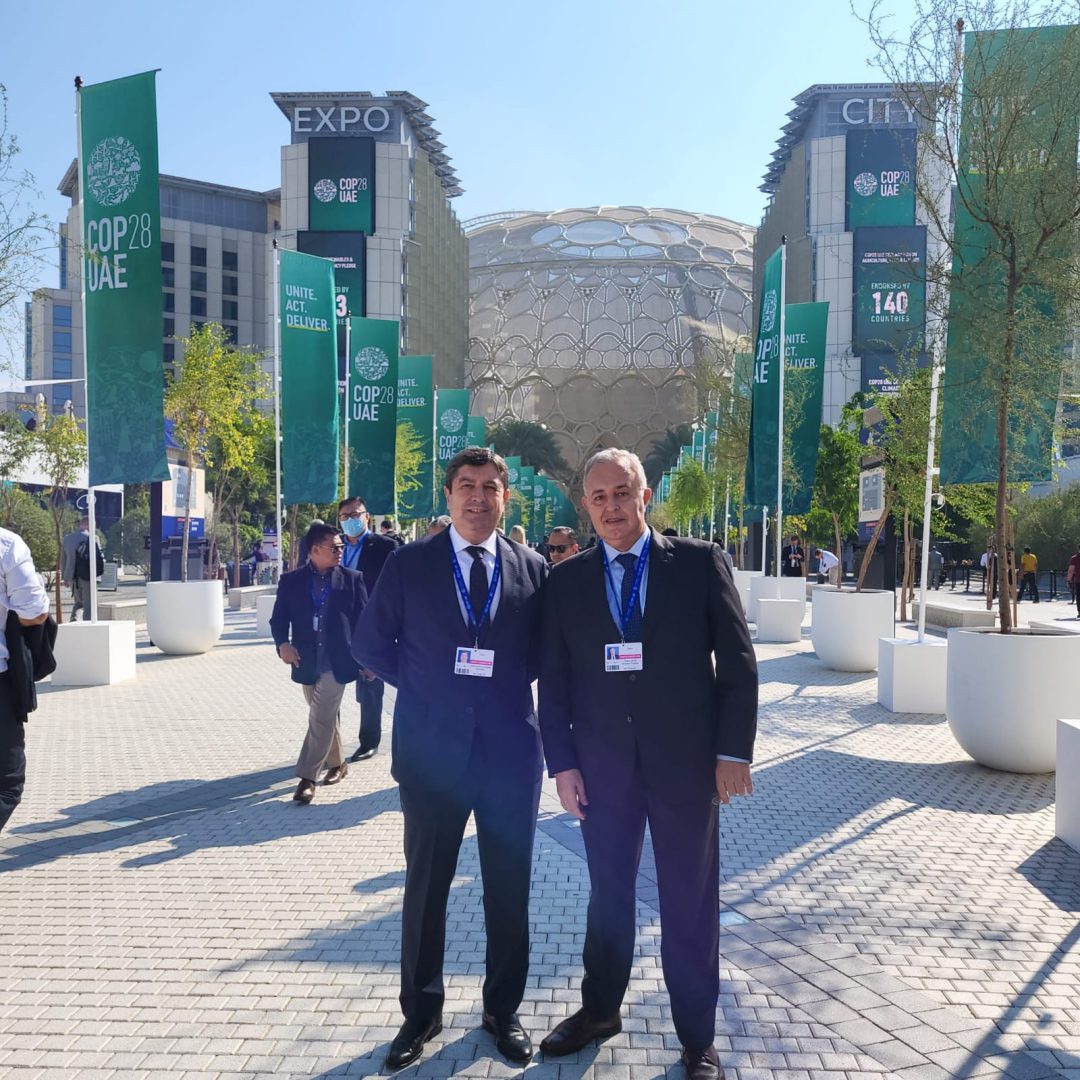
337 547
356 515
560 548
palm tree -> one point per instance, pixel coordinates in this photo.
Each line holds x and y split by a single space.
665 453
531 442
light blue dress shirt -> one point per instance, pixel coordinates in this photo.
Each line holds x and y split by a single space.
614 599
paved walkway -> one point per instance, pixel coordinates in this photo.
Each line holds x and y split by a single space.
890 908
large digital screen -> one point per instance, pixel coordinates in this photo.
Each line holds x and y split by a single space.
347 252
889 290
880 177
341 185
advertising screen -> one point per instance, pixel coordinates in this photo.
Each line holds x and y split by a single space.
341 185
880 177
889 290
347 252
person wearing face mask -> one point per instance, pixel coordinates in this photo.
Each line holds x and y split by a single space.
365 551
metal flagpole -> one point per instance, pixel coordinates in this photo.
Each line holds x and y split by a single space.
348 394
277 415
764 535
779 539
928 491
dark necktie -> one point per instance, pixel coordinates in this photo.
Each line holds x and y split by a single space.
633 627
478 583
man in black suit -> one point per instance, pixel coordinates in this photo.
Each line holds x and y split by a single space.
648 705
366 552
313 621
792 557
453 624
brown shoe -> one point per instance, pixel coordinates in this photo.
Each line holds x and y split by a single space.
703 1064
577 1031
336 774
305 792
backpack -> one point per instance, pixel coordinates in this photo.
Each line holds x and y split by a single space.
82 560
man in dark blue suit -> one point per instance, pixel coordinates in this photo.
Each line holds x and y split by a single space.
315 611
453 624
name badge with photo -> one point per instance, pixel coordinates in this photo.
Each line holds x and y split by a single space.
479 663
623 656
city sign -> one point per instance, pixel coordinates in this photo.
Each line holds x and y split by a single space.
877 110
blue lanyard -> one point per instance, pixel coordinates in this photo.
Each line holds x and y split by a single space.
639 574
353 563
474 623
318 604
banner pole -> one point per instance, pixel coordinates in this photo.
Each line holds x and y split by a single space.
928 492
348 396
277 415
764 535
779 538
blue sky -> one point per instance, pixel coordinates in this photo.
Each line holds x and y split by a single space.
541 106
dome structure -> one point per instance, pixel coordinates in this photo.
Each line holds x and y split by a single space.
593 321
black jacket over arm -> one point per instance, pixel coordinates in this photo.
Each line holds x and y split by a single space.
294 612
408 635
696 696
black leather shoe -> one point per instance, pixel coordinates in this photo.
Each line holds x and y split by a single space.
362 753
305 792
510 1038
703 1064
408 1043
336 774
577 1031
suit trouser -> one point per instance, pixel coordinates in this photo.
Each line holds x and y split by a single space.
369 693
504 803
80 592
12 754
323 740
686 848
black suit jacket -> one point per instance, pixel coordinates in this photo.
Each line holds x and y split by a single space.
407 636
373 555
674 716
294 612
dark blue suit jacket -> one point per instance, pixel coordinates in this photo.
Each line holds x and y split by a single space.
408 635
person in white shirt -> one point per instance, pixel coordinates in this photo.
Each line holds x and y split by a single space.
21 591
827 565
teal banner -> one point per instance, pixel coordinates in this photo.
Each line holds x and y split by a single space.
526 480
341 184
451 434
880 177
309 385
477 433
761 463
416 409
540 508
121 272
888 310
554 502
513 507
805 330
372 412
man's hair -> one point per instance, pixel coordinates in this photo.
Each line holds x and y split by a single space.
477 456
319 533
444 521
614 456
387 523
349 501
564 530
669 532
1028 550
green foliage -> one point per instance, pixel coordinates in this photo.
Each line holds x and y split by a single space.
665 452
409 462
24 515
1050 526
836 483
533 443
690 492
125 540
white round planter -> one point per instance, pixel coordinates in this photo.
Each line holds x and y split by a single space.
1004 694
184 617
846 626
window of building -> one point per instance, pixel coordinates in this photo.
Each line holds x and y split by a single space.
168 277
61 314
168 251
198 281
198 305
230 309
168 352
231 334
63 260
196 325
61 396
168 301
62 368
168 327
198 256
61 341
228 260
230 285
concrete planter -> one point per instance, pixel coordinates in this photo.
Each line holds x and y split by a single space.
911 674
774 588
94 653
184 617
742 583
847 625
1005 693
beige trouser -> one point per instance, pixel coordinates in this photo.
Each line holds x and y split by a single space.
323 740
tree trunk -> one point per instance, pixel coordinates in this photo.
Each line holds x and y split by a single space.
868 554
234 524
186 534
1009 348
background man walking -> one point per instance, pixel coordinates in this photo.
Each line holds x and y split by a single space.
80 559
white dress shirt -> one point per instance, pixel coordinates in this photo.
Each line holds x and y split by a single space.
465 561
21 590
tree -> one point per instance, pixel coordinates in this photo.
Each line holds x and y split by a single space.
125 541
16 446
212 403
665 452
409 462
999 113
836 483
25 234
690 493
531 442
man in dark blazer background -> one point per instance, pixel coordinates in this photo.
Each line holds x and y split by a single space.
453 625
365 551
313 621
648 706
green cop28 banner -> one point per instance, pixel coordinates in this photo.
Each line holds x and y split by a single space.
451 433
309 389
341 184
513 507
347 252
416 410
526 482
371 418
805 330
889 290
477 431
880 177
121 272
761 463
539 518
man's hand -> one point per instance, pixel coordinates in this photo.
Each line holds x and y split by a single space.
571 788
289 655
367 676
732 778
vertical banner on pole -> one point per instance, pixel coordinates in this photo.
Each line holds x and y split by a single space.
805 331
372 405
554 501
121 271
540 484
451 433
513 507
309 387
477 431
526 479
761 464
416 408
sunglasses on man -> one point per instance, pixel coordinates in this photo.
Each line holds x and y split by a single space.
560 548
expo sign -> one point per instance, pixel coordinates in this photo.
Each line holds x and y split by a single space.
339 119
